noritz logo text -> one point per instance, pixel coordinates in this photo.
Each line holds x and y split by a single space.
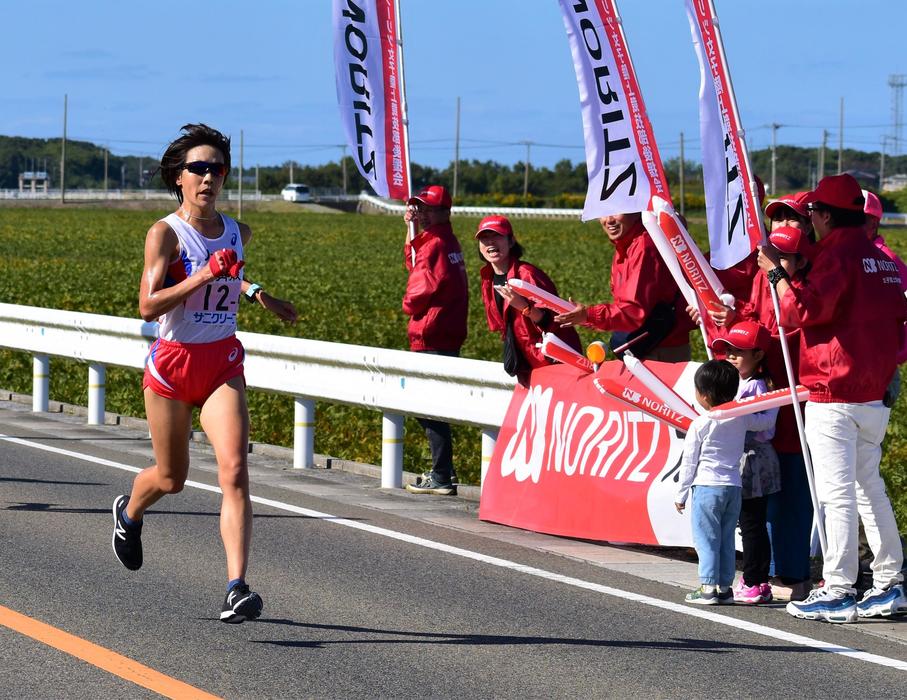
581 441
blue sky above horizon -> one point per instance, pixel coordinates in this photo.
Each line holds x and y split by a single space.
135 72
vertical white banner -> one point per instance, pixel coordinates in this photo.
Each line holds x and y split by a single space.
622 160
732 211
369 92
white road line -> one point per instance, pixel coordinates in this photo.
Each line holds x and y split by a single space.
514 566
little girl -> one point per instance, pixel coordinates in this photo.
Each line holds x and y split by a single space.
745 345
710 466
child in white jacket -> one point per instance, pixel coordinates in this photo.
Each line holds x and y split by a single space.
710 467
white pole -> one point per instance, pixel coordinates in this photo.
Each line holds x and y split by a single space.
97 378
40 383
785 350
303 433
391 451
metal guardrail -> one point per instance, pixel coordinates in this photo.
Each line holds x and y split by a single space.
395 382
389 207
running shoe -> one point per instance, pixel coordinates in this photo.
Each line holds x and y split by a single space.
127 539
240 605
428 484
702 596
822 604
748 595
883 602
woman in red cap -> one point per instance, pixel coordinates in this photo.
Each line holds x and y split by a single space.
519 322
746 345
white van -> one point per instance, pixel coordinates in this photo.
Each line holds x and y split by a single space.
296 193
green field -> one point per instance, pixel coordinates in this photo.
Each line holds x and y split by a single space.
345 274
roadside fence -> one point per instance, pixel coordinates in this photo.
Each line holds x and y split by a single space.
395 382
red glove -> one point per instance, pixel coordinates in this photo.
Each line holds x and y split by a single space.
224 262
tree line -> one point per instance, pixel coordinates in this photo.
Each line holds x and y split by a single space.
478 182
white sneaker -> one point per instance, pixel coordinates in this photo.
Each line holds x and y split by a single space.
883 602
822 604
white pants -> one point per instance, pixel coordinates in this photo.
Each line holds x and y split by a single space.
845 443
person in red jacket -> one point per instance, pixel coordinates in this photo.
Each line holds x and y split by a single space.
436 300
645 297
519 322
850 311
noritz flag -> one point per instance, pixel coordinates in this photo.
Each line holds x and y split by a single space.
369 91
624 166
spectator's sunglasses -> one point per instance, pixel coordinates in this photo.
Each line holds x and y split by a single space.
203 167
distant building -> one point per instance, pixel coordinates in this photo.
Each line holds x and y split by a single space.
34 180
893 183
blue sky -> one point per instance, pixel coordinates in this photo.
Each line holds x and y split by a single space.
135 72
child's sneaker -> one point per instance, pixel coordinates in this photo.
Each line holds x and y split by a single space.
821 604
725 596
747 595
766 590
704 595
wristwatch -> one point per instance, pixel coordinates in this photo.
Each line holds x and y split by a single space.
252 291
776 274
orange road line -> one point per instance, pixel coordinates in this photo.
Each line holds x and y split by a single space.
105 659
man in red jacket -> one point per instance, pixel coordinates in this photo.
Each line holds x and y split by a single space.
850 311
436 300
645 297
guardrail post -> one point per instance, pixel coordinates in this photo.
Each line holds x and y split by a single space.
391 451
303 433
40 392
97 377
489 438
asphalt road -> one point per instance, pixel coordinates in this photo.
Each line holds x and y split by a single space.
353 612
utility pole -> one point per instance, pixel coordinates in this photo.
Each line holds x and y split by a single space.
821 172
63 153
106 156
882 162
291 171
239 215
841 140
257 188
681 177
897 82
528 145
141 171
456 168
775 128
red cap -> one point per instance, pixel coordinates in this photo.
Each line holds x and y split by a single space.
841 191
873 206
789 239
498 224
433 196
794 201
746 335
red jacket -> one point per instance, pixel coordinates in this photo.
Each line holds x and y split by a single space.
759 308
851 312
526 333
437 296
639 280
737 280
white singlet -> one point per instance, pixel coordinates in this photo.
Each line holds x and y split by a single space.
209 314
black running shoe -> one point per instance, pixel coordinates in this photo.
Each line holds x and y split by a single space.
127 540
240 605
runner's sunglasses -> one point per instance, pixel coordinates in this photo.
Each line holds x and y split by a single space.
203 167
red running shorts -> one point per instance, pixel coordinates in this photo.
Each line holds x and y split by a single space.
191 372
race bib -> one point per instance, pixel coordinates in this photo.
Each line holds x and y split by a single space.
215 303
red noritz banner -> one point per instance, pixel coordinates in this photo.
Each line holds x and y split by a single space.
571 460
367 72
622 159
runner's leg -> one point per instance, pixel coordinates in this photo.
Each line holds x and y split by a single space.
225 420
170 424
